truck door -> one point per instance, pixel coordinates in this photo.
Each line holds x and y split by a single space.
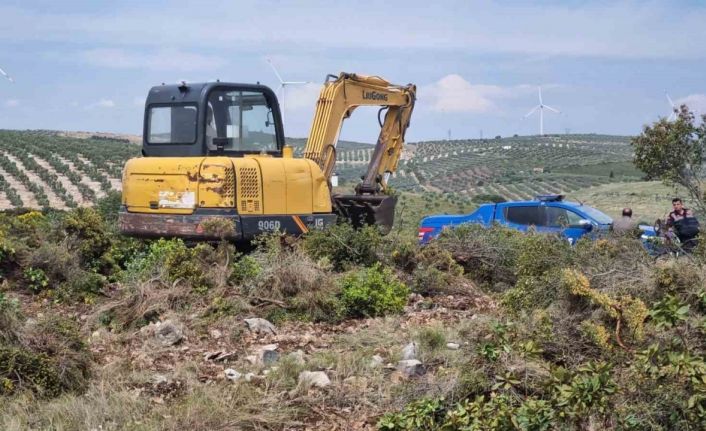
566 222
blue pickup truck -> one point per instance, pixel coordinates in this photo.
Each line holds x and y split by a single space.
547 213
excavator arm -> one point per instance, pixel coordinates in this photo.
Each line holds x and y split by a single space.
338 99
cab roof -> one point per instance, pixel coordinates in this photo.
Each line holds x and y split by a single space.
192 92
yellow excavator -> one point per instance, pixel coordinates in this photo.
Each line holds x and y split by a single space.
216 151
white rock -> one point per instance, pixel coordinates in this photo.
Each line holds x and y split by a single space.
376 361
410 367
452 346
261 326
159 378
409 351
317 379
215 334
268 354
168 333
264 355
249 376
232 375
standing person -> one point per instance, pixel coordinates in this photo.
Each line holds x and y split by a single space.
684 224
625 224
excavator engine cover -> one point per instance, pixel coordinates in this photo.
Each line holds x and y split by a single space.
364 210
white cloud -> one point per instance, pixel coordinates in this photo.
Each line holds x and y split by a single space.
12 103
103 103
166 59
300 96
695 102
138 101
453 93
628 29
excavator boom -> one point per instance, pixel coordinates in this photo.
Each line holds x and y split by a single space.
338 99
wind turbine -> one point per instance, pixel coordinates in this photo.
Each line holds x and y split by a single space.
541 108
673 114
6 75
283 85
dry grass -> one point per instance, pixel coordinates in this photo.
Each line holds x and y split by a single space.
142 302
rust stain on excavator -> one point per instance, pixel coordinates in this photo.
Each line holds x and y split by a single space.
192 177
210 180
167 225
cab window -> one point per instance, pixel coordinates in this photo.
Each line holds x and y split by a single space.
174 124
524 215
244 118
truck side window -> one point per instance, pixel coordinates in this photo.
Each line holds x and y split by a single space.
529 215
561 217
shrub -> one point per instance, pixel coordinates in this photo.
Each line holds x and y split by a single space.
109 205
36 279
488 256
431 339
344 245
541 253
81 285
89 235
676 276
290 277
244 269
59 340
10 319
669 312
174 260
372 292
21 368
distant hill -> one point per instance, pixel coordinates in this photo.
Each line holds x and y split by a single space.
65 169
514 168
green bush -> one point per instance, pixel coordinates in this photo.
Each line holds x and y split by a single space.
83 285
244 269
173 259
36 279
344 245
540 253
21 368
487 255
91 238
372 292
109 205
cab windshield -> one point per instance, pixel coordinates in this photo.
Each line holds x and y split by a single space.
239 121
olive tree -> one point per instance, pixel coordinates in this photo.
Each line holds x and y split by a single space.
674 151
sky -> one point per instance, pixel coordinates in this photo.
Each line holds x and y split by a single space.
605 65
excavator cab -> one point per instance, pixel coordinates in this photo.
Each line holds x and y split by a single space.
212 119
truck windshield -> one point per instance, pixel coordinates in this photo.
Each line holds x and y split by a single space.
597 215
244 118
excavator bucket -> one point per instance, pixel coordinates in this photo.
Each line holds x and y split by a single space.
364 210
